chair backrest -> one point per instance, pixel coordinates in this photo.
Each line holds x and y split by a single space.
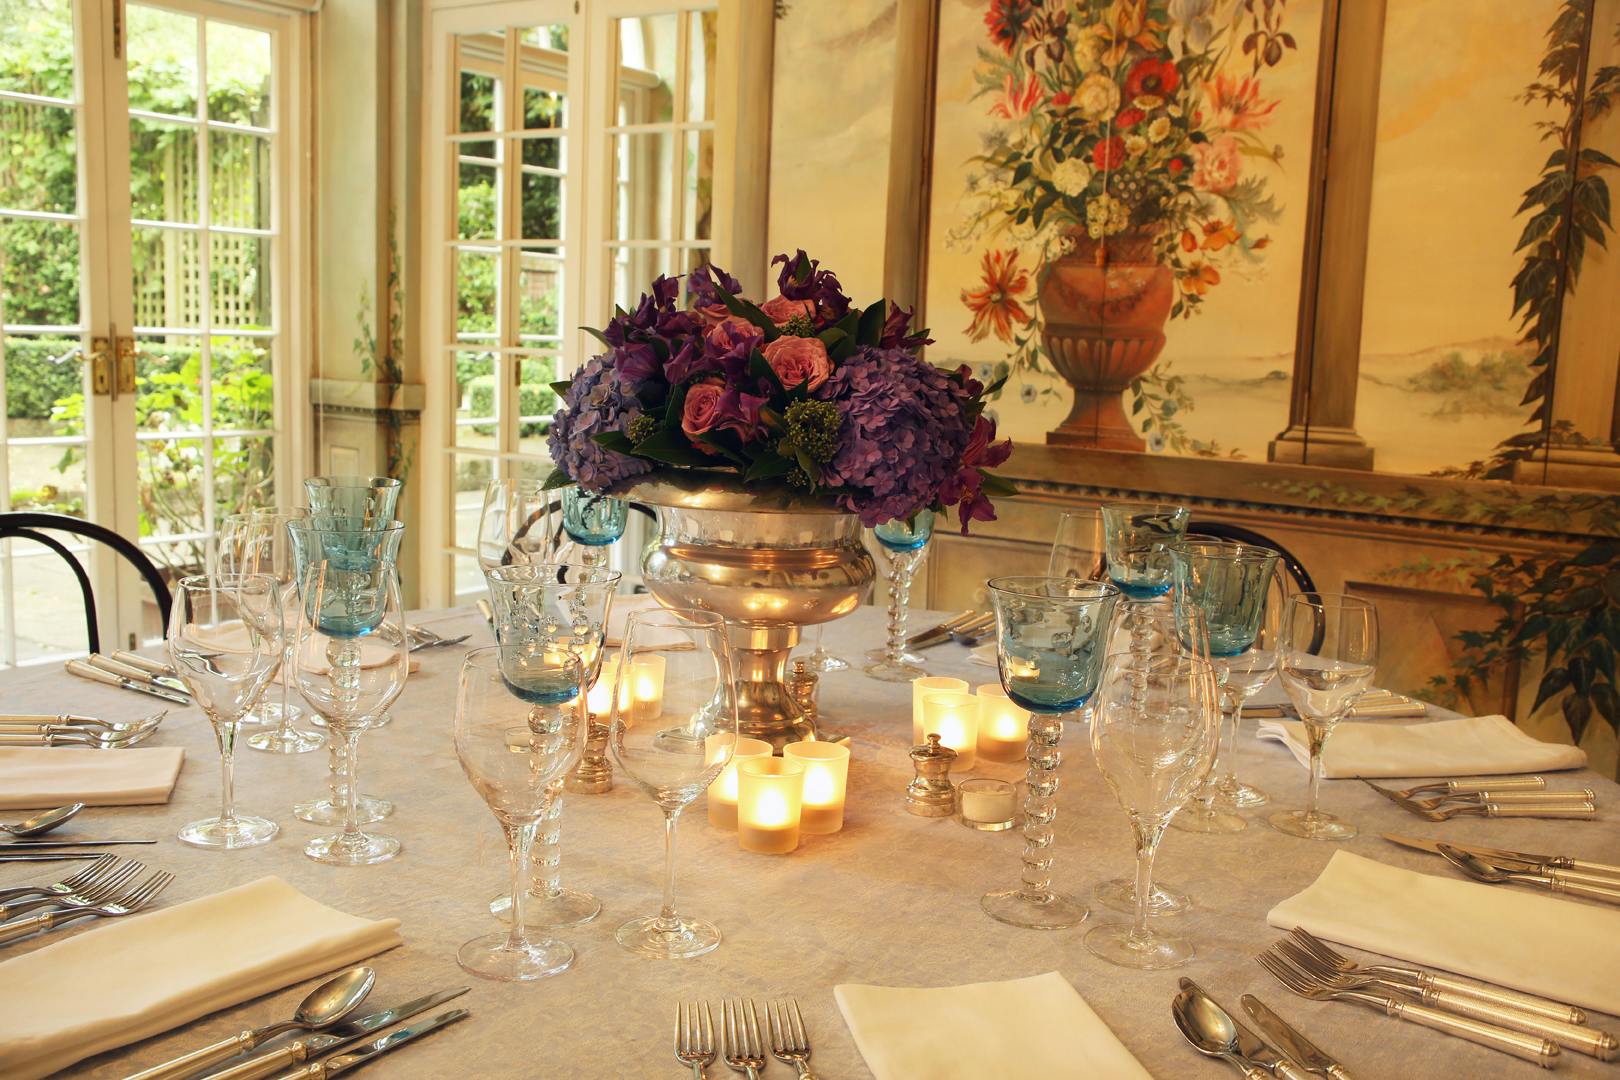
1239 534
27 525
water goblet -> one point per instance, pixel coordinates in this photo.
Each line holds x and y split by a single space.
593 521
700 696
1136 544
226 643
1248 673
514 525
1153 735
313 543
519 725
820 660
359 503
1328 651
561 608
1228 583
905 544
1051 634
1077 547
352 660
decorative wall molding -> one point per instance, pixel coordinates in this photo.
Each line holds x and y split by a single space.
360 397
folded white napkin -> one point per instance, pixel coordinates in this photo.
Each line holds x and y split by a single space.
1469 746
1562 949
54 776
1039 1026
132 978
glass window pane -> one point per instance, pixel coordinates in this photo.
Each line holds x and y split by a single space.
646 168
697 216
478 393
39 273
239 181
171 494
546 152
39 165
168 275
544 108
541 211
537 402
701 51
547 37
647 48
540 285
472 475
634 270
45 587
163 171
240 272
469 578
45 66
44 397
244 474
175 558
479 107
238 74
477 291
168 383
162 49
243 389
477 196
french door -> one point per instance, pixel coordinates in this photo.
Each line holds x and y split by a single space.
146 237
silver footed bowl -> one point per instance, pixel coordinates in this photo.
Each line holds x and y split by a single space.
768 562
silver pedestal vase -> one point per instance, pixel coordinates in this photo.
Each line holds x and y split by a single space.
768 562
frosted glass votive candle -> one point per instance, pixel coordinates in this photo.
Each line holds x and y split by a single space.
921 688
954 717
1003 726
770 796
646 687
826 778
722 794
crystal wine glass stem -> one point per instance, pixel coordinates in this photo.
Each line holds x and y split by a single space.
593 556
902 565
225 736
288 658
1316 735
1228 749
667 921
1040 804
1147 846
518 840
351 790
545 864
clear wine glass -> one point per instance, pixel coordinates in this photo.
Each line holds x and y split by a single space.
1227 583
1328 652
1136 544
261 544
700 698
1248 673
822 661
514 525
226 643
353 657
1153 735
905 544
352 503
1077 549
563 608
1051 636
594 522
519 726
312 543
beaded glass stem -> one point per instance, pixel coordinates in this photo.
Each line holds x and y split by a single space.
905 544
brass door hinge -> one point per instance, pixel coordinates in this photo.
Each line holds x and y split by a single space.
101 377
126 365
112 365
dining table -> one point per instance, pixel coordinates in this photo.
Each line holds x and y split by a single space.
892 899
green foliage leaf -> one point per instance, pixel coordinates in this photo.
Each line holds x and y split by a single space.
871 326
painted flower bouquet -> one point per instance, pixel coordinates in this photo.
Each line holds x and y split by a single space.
804 393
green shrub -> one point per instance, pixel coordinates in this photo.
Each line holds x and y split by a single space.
34 382
534 399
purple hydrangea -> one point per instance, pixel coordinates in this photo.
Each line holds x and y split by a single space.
905 426
597 401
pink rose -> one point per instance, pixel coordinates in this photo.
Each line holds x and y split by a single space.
732 331
713 313
701 411
781 310
799 360
1216 165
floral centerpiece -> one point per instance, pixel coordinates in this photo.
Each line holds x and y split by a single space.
1125 134
805 391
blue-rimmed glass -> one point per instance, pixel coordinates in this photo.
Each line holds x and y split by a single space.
1136 540
1051 637
905 544
352 502
594 521
556 608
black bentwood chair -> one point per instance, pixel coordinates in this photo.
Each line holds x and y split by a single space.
1220 530
27 525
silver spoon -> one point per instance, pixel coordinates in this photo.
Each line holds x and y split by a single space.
1214 1033
324 1006
40 824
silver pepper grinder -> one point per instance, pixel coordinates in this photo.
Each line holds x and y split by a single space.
594 774
931 793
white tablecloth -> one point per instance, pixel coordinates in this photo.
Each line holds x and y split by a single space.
893 899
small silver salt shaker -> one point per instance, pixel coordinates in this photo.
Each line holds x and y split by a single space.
931 793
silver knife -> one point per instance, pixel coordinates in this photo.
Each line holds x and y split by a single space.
37 845
1291 1042
130 671
145 663
302 1050
95 674
940 632
1590 873
323 1070
50 856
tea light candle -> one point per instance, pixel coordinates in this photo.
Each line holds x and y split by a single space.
921 688
985 804
647 687
600 696
954 717
723 792
826 776
1003 726
770 794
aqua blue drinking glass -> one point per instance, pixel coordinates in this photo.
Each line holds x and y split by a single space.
905 543
1136 542
1051 640
594 521
352 502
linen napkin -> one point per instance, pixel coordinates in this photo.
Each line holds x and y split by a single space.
1469 746
135 977
1561 949
1039 1026
44 777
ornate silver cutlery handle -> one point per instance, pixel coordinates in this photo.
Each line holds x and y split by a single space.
1584 1040
1543 1052
1501 995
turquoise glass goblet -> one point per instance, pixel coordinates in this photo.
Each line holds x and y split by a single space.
905 544
1136 543
594 522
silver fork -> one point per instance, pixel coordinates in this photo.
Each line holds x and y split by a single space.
788 1040
1426 980
1494 795
1543 1052
74 736
745 1050
1583 1040
104 864
1584 811
1495 783
694 1037
133 901
105 886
